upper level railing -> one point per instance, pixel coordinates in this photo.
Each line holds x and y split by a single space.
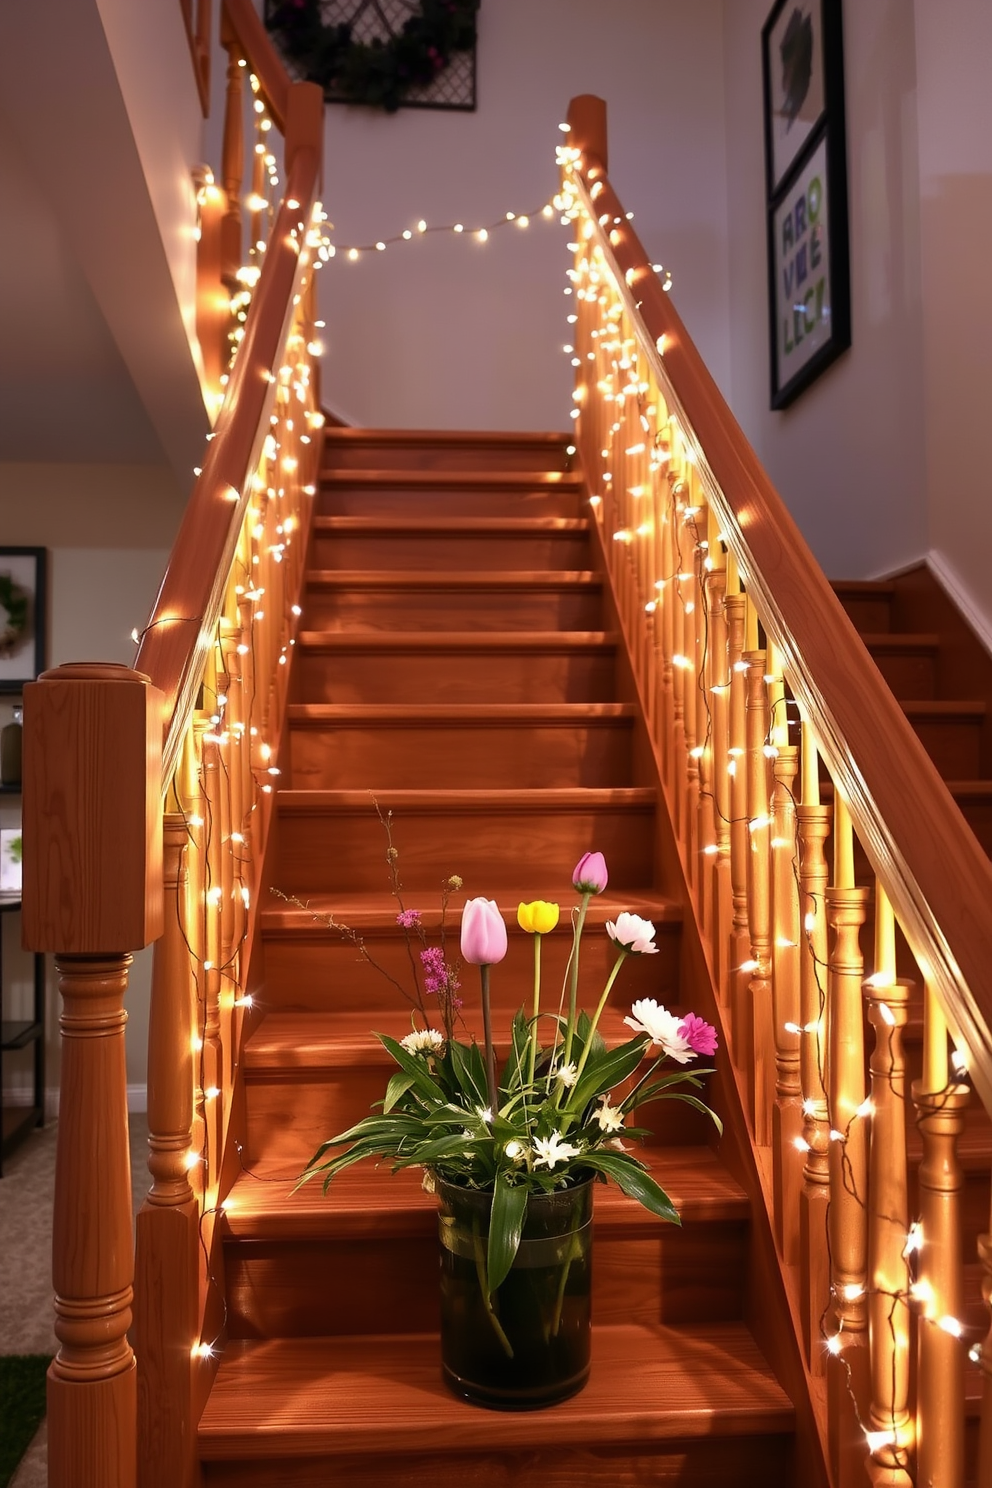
735 630
193 729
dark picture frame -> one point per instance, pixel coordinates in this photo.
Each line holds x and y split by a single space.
806 193
23 658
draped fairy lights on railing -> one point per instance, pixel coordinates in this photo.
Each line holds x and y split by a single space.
742 773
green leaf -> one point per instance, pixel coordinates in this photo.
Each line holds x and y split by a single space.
632 1178
505 1224
398 1086
414 1066
604 1071
430 1151
469 1071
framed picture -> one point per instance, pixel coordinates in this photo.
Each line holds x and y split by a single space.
22 616
806 193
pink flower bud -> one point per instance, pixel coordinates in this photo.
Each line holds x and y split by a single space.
483 933
589 875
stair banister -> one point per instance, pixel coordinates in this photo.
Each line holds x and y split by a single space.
104 744
775 911
906 819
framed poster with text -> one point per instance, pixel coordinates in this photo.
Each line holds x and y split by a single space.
806 193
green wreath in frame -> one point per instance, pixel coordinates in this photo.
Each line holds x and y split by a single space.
380 72
14 607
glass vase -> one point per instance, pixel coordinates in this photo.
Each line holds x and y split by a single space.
526 1345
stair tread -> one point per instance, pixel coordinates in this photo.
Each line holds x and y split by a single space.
543 798
902 640
944 707
521 480
368 912
450 526
570 713
351 434
881 587
465 641
468 578
367 1200
379 1395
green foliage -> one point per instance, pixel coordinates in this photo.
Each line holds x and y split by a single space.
22 1406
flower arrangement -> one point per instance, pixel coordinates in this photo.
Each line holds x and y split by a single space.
551 1117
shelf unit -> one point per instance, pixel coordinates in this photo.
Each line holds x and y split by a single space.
20 1033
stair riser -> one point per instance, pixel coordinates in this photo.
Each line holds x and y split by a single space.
908 676
288 1120
411 677
340 1287
871 614
759 1461
954 747
317 973
467 501
481 755
347 452
532 850
447 553
382 609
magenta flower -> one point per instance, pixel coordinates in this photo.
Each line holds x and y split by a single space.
589 875
698 1034
483 933
408 918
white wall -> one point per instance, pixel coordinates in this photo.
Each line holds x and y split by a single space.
953 53
444 332
108 530
848 456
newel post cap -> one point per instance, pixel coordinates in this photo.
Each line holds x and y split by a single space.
92 869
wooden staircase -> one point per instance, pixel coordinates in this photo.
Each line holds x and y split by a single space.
940 673
457 661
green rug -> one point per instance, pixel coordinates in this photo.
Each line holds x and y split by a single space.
22 1406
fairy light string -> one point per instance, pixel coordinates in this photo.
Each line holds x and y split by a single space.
616 372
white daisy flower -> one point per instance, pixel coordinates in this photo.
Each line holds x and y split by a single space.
663 1027
423 1041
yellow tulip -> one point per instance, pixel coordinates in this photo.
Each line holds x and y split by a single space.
537 918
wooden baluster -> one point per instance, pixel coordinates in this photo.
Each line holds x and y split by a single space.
192 914
740 943
891 1446
213 300
687 646
706 827
167 1285
848 1380
787 1117
667 600
756 1009
940 1391
232 158
814 828
92 894
213 1052
719 696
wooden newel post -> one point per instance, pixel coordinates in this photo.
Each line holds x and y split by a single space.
92 895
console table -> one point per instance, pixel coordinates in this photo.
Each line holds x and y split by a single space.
20 1034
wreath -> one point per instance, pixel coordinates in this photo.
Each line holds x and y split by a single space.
380 72
13 612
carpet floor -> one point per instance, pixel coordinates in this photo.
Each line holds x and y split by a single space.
26 1315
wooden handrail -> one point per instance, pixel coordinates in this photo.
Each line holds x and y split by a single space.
184 619
907 821
241 20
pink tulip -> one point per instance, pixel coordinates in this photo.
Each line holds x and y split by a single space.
483 933
589 875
